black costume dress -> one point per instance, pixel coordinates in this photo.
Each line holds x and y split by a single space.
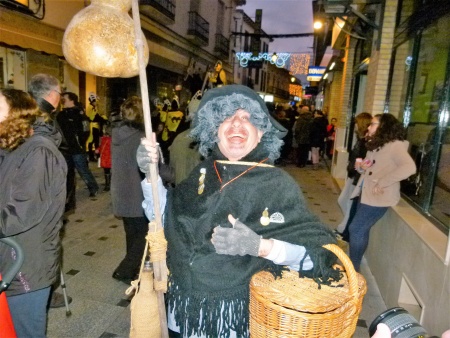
209 292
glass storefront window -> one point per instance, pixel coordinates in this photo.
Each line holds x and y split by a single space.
425 113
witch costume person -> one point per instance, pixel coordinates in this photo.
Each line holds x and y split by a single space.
233 216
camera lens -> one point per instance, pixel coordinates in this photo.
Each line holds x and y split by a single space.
401 323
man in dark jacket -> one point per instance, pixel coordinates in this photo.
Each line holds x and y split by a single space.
70 119
46 90
317 137
302 136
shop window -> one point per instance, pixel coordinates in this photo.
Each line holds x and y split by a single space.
419 79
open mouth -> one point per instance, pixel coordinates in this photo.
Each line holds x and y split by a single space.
236 138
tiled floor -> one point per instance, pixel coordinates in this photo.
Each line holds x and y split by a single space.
94 244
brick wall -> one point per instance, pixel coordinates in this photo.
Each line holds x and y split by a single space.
378 71
347 77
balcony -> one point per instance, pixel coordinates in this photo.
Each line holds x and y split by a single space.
222 46
162 11
198 30
283 94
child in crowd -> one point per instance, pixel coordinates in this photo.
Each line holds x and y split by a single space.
104 153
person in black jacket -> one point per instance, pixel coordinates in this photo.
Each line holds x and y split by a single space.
317 137
70 119
126 193
362 122
33 192
46 90
302 136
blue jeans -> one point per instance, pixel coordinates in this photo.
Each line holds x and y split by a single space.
359 228
29 313
81 164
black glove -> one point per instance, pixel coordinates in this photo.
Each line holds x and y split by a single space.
240 240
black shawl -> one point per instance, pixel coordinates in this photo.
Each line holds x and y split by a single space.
210 292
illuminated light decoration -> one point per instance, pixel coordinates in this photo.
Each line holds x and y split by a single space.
277 59
299 63
295 90
325 76
332 65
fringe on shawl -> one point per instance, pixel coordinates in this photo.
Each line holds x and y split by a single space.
322 272
221 312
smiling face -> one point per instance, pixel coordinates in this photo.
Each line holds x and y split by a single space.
238 136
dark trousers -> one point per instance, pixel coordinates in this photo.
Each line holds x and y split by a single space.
359 228
81 164
95 144
136 229
351 215
70 184
302 154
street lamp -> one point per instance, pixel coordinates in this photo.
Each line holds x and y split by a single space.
274 57
317 26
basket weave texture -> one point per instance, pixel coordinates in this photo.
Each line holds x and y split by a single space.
295 307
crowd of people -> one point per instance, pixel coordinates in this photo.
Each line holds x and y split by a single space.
310 135
214 167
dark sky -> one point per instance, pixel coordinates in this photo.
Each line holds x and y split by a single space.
284 17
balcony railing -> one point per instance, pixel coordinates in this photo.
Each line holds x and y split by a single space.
198 29
278 92
161 10
222 45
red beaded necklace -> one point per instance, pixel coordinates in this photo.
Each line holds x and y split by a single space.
235 178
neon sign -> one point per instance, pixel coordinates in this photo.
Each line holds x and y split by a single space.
276 59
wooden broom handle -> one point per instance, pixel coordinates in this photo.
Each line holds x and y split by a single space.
158 267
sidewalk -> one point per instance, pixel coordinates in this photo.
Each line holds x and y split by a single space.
94 243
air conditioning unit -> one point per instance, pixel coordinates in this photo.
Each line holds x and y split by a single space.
336 6
34 8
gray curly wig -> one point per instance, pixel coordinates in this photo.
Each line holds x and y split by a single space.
220 103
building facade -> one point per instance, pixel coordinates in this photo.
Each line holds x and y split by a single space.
184 38
393 57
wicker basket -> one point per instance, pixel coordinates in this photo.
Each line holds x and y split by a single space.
296 307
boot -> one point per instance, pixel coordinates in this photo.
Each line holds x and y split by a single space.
107 182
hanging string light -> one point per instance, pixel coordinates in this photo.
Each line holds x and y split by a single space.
295 89
299 63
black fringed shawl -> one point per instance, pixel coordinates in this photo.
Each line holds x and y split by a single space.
210 292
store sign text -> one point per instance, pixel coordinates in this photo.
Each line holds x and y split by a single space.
315 73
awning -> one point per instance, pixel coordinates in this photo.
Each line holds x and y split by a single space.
18 30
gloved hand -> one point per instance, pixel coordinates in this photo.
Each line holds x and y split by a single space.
239 240
147 153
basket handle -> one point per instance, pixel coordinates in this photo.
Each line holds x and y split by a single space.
349 269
